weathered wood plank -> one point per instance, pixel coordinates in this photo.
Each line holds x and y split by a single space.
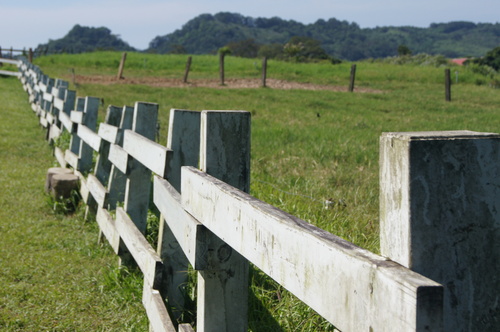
59 104
187 230
10 73
144 255
138 186
54 132
59 154
184 140
97 190
10 61
88 136
74 145
71 158
225 146
49 117
48 96
185 328
66 121
353 288
151 154
158 316
107 128
440 216
76 117
108 227
84 190
118 157
44 122
108 132
54 92
224 154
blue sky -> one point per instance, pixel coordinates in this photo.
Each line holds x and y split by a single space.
28 23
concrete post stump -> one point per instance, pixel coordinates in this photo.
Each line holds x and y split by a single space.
51 172
60 184
63 185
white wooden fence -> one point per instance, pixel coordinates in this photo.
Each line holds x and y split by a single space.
9 72
209 221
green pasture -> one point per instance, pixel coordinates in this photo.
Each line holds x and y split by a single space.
53 274
308 147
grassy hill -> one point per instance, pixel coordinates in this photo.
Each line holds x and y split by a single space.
308 146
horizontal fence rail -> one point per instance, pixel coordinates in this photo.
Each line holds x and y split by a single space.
10 72
200 182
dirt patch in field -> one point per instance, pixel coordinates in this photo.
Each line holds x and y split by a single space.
232 83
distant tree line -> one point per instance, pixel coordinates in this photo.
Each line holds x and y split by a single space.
328 40
297 49
491 59
207 33
85 39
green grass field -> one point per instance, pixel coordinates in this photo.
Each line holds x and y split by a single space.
54 275
307 147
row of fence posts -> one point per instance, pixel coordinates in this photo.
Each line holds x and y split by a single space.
11 51
222 70
222 56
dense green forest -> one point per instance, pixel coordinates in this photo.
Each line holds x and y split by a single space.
340 39
85 39
275 38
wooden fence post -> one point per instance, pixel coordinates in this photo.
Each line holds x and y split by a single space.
223 286
138 186
221 67
122 66
352 79
69 101
103 165
30 55
188 67
440 216
447 84
184 142
89 120
264 71
117 180
73 78
74 144
138 183
85 113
